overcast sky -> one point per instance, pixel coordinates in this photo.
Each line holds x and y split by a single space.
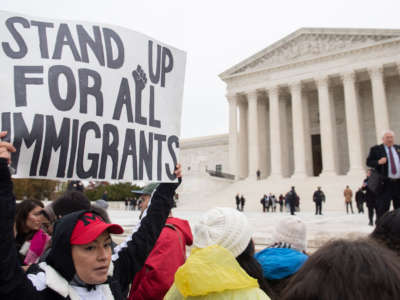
216 34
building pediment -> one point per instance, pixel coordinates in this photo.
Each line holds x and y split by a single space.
308 43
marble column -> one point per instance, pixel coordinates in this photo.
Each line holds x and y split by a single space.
298 130
254 154
275 134
327 128
263 136
380 103
353 124
243 140
233 136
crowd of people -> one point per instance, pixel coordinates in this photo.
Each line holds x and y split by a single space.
65 250
269 202
290 202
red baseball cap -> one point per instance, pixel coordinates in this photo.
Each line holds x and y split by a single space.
89 227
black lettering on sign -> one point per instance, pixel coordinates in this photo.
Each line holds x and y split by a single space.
34 136
54 87
154 76
160 138
74 143
21 81
167 64
146 155
43 43
109 37
64 38
109 149
22 48
172 140
93 157
123 100
129 150
6 125
54 141
152 121
96 43
85 90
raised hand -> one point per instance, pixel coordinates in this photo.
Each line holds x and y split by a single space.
178 171
6 148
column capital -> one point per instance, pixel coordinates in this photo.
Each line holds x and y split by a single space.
295 86
252 95
348 77
322 81
376 71
232 98
273 91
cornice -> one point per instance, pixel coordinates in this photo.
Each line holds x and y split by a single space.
204 141
321 58
308 31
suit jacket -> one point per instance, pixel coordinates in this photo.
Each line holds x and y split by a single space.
375 154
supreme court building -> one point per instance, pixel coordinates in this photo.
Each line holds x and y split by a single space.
313 103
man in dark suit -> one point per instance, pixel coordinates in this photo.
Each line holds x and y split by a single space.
291 197
318 198
385 158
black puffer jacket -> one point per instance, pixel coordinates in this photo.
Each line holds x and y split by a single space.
51 280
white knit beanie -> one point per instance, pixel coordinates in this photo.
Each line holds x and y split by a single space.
291 230
224 226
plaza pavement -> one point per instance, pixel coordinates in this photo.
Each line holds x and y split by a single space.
320 229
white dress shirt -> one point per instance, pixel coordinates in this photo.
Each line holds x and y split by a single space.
396 161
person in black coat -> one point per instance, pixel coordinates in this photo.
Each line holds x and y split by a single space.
292 198
237 199
360 198
385 159
263 202
318 198
80 264
370 199
242 202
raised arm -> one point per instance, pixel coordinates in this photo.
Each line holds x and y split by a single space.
131 255
13 282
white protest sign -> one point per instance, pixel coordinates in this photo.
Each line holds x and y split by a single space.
89 101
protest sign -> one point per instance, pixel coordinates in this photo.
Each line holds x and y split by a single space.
89 101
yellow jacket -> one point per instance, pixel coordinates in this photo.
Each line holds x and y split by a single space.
213 273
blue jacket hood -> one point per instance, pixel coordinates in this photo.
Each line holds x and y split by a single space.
279 263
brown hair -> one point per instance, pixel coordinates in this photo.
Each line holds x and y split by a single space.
387 230
247 261
347 270
22 211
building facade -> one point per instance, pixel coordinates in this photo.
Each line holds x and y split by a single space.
313 103
201 154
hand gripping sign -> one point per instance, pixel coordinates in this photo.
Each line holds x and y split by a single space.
89 101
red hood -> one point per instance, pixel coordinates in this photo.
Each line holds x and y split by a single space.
184 227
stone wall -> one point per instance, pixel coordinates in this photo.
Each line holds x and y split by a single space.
199 154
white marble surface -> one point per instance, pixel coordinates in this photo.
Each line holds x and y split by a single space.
319 228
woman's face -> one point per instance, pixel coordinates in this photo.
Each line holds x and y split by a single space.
91 261
47 226
34 219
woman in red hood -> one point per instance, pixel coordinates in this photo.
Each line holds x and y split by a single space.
80 264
